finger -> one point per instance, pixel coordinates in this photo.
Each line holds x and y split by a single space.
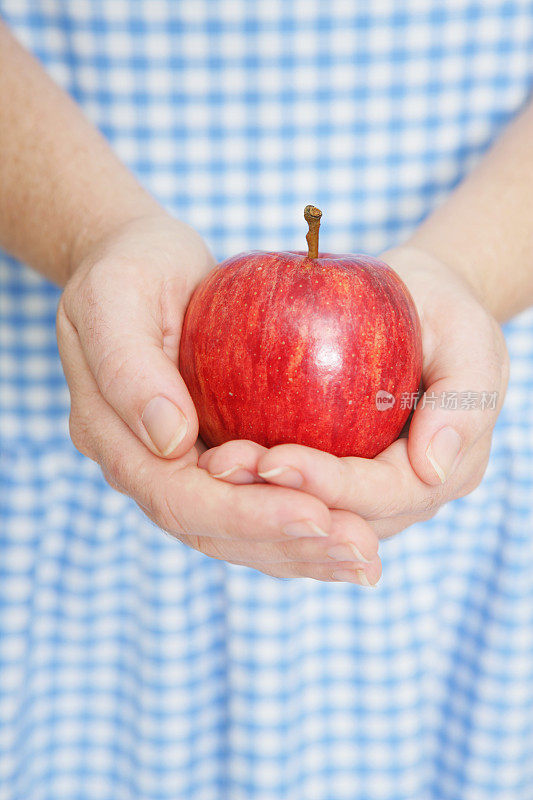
385 486
134 362
234 461
351 541
373 488
177 495
367 577
466 378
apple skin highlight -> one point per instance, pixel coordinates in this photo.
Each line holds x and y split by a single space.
281 347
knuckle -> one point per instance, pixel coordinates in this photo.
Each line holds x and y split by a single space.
302 570
173 503
206 545
115 367
79 434
392 492
341 487
428 505
110 480
167 514
163 514
116 465
408 496
286 549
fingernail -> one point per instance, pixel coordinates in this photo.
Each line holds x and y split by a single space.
226 472
346 552
286 476
353 576
303 528
443 450
232 470
165 424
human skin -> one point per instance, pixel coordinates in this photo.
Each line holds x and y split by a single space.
469 267
72 211
446 451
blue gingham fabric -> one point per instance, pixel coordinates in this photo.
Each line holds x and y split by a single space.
132 668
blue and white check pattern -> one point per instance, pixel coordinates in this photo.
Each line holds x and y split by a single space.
132 668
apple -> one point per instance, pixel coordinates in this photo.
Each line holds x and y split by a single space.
319 349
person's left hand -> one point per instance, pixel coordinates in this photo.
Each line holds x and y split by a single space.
447 449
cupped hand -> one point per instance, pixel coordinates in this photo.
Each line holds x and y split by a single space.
445 453
119 322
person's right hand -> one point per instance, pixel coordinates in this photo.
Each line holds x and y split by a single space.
119 322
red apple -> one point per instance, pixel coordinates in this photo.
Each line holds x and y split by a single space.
322 350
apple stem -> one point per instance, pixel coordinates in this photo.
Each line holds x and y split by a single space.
312 217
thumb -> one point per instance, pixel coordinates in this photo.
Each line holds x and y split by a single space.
143 385
140 380
464 394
